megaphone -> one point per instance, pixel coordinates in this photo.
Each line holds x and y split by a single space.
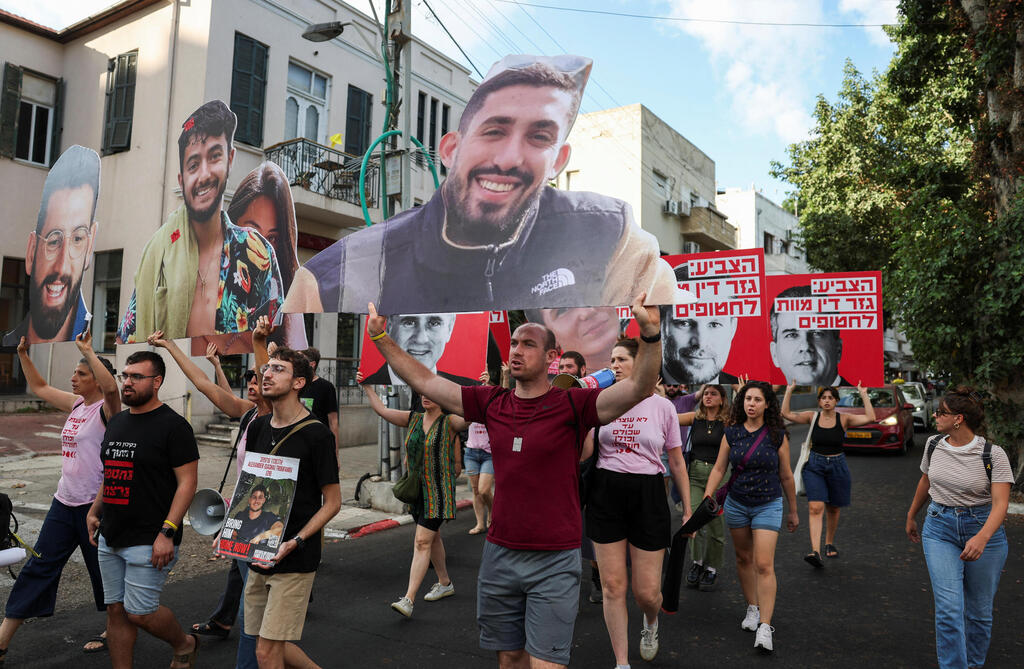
602 378
12 555
206 512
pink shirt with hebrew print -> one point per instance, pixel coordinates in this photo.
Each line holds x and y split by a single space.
633 442
81 470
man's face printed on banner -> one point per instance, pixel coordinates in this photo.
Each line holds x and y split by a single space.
696 349
806 357
498 164
423 336
58 255
204 175
592 331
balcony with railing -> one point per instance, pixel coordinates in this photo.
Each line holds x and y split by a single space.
325 171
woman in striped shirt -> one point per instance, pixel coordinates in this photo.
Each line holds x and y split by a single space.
968 480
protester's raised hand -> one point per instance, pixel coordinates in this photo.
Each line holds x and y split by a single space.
375 323
861 389
659 387
23 346
359 377
791 386
157 339
485 378
648 318
263 328
271 347
84 341
211 353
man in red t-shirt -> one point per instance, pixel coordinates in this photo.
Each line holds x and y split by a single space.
528 585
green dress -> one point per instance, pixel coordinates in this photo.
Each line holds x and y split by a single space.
437 473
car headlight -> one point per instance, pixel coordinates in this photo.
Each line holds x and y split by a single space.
891 420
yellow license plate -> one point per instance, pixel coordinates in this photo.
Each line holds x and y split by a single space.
858 435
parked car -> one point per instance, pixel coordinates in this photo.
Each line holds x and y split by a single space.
917 394
893 428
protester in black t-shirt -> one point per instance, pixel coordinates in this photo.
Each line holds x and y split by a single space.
280 618
320 396
257 524
150 465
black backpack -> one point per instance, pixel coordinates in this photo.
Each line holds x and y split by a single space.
986 454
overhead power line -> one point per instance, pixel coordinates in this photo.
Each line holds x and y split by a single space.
736 22
457 45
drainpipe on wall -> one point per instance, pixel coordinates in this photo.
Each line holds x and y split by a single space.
172 58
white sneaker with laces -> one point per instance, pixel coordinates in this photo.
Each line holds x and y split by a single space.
403 606
438 591
752 618
763 640
649 641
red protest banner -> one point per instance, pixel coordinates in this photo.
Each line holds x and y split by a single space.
453 345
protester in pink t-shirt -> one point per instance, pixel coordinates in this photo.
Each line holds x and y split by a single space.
93 400
627 509
480 467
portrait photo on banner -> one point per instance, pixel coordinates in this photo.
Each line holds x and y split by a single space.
723 334
589 331
263 202
495 235
200 273
453 346
260 507
59 245
826 329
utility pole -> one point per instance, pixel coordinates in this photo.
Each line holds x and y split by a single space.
400 34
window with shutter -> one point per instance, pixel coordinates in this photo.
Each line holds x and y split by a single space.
358 119
120 103
248 88
10 107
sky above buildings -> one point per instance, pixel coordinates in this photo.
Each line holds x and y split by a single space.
738 78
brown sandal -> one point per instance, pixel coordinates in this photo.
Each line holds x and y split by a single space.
188 659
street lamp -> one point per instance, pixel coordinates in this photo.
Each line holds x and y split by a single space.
323 32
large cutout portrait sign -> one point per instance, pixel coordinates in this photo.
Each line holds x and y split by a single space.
260 508
59 250
722 335
452 345
200 274
826 329
495 236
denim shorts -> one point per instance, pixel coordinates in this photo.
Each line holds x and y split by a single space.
827 479
767 516
478 461
129 577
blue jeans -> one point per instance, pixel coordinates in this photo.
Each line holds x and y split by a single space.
246 658
963 591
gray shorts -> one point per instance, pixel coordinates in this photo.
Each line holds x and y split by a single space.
528 599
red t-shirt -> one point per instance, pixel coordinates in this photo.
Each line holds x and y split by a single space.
538 507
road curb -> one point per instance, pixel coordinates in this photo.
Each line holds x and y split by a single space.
396 521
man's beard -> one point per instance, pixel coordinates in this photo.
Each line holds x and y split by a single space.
47 321
137 398
206 214
488 227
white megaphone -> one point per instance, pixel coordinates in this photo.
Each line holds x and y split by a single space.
206 512
12 555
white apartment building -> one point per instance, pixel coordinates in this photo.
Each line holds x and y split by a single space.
631 154
764 224
123 81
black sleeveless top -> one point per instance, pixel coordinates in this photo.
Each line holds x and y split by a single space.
827 441
706 439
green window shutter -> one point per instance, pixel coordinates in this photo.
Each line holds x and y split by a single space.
58 122
10 102
249 88
120 103
358 118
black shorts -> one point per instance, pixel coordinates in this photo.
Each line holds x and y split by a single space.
631 507
432 524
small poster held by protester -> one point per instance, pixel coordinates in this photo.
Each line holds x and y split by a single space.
259 508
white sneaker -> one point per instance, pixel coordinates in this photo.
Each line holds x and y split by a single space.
649 641
752 618
763 640
439 591
403 606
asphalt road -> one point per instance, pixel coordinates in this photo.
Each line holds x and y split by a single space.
872 607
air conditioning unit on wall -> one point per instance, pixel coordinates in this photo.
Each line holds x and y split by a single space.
691 247
671 207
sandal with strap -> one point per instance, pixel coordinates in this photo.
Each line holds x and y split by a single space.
188 660
831 551
100 639
211 628
814 559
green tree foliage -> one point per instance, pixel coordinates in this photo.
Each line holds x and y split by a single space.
916 172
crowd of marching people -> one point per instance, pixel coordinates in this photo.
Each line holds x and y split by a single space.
130 474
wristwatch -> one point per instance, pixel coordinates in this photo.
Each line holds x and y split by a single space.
167 532
300 543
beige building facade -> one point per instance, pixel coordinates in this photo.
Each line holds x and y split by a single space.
763 224
122 82
631 154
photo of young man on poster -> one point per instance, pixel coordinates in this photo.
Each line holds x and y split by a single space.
256 523
495 236
200 274
259 507
60 250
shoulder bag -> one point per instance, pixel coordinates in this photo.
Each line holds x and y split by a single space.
408 488
723 492
805 452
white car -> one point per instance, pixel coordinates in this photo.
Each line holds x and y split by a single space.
917 395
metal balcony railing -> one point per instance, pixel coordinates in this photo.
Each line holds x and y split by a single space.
326 171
